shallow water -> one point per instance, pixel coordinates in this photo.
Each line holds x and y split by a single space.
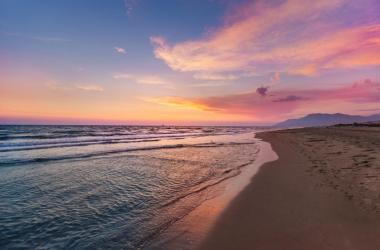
110 186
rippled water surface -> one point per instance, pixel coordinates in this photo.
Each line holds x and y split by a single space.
109 186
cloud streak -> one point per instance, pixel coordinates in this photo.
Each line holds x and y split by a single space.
55 86
289 98
215 77
120 50
142 79
95 88
280 102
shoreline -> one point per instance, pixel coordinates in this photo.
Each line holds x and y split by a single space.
191 230
288 205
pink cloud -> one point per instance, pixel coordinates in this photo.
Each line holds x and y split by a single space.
292 36
282 103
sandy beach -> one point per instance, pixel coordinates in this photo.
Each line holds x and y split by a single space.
322 193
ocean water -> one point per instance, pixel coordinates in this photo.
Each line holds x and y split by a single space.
119 187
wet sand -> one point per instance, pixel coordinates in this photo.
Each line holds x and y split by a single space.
189 232
322 193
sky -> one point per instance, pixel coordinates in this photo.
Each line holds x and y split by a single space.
198 62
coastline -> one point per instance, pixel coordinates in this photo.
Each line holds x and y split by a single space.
289 205
191 230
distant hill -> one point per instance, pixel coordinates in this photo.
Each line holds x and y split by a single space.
315 120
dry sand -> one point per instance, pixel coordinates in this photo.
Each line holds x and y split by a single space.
322 193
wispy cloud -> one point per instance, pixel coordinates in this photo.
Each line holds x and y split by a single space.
178 102
90 88
215 77
120 50
290 98
154 80
55 86
293 36
281 102
210 84
122 76
142 79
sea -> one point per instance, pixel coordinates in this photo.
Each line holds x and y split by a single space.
111 187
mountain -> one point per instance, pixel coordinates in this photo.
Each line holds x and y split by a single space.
315 120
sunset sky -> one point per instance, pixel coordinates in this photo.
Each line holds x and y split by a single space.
207 62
